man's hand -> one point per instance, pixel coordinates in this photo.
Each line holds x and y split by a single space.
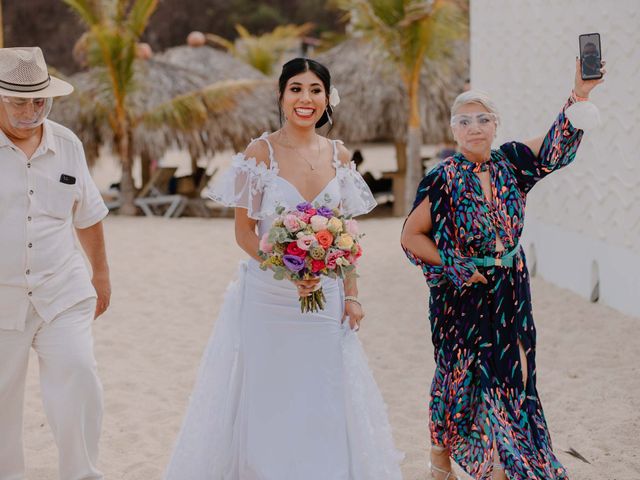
92 241
103 288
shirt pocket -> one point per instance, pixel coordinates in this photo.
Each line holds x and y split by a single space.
60 199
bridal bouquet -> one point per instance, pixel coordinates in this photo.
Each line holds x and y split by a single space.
310 242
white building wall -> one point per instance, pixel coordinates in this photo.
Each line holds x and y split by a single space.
582 223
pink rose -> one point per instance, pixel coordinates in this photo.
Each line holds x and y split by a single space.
265 246
352 227
291 223
332 257
306 241
305 217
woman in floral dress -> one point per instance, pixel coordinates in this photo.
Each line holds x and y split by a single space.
464 232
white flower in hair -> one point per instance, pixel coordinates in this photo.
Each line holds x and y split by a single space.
334 98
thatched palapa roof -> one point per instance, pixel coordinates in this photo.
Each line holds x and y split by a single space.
155 83
255 112
374 104
245 115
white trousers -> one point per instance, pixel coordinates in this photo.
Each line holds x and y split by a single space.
71 391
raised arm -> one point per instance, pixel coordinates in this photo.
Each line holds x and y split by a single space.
538 157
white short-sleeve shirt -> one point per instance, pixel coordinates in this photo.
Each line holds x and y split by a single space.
42 199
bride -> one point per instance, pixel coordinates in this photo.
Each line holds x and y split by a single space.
283 395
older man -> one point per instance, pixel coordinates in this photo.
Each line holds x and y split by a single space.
48 299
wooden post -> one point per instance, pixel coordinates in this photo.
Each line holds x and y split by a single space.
399 182
1 28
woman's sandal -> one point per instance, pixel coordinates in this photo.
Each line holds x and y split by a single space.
433 469
450 475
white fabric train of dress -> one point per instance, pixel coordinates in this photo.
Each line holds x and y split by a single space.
282 395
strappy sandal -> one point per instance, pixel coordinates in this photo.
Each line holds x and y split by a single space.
450 475
433 469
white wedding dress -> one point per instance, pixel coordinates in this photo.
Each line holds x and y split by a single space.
282 395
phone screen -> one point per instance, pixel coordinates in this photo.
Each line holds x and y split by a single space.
590 56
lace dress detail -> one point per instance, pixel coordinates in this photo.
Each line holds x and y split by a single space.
247 184
253 185
354 192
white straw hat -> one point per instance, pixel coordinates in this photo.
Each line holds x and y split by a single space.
23 73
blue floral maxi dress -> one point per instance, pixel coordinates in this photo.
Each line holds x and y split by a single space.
478 399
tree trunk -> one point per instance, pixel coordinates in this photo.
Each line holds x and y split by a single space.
399 178
401 155
127 188
414 141
145 166
414 167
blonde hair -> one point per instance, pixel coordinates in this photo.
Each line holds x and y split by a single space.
475 96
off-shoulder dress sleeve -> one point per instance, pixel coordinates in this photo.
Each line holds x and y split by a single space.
243 185
356 196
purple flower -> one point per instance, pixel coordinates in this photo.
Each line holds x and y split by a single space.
303 207
325 212
293 263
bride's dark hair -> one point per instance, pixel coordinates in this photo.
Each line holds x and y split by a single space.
300 65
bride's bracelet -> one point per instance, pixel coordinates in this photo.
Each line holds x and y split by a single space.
353 299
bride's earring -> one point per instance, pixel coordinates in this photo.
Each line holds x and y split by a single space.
328 110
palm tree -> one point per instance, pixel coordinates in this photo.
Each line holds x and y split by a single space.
114 29
264 51
409 32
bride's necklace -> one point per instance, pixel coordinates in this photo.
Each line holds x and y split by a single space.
295 149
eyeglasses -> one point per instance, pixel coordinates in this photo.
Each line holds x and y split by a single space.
482 120
19 102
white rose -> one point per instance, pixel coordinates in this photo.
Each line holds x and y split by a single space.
318 222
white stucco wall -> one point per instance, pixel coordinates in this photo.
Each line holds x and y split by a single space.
523 54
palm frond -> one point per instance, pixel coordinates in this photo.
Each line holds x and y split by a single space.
139 15
190 111
89 11
221 42
408 30
243 32
118 11
262 52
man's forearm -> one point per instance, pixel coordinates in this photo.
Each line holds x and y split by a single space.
92 241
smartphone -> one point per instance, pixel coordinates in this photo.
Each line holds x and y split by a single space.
590 56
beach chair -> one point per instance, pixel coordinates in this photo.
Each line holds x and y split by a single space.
196 205
154 198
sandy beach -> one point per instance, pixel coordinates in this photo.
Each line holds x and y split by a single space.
169 277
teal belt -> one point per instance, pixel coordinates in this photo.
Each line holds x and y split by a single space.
504 261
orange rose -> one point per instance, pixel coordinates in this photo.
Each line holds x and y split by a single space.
325 238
